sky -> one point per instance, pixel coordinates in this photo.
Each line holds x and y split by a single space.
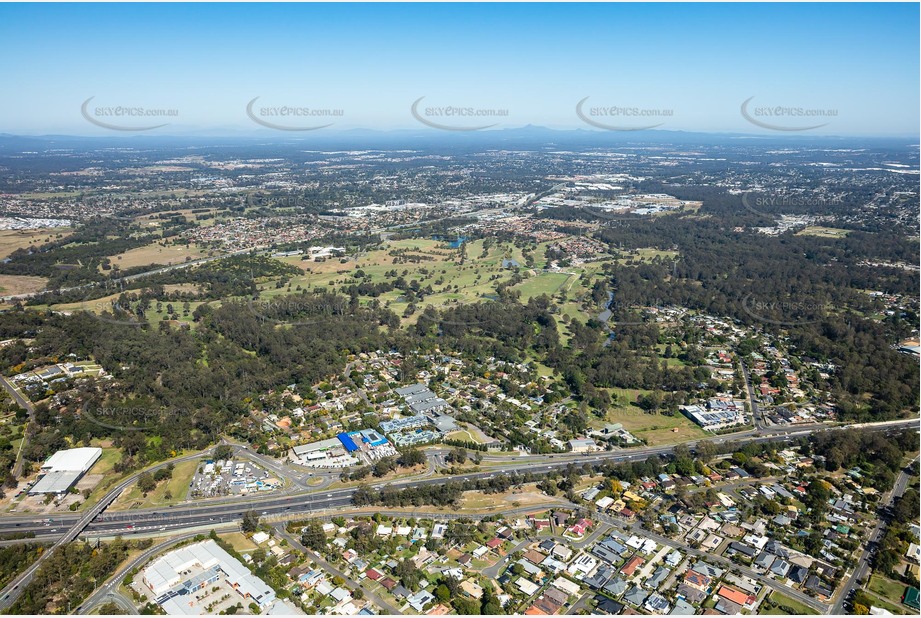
852 68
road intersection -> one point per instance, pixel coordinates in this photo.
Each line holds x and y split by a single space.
295 503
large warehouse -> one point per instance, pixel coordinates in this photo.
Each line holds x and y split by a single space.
63 469
176 576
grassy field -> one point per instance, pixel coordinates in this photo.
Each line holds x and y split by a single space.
542 283
104 305
896 608
155 253
451 282
645 254
440 268
823 232
465 436
886 588
178 486
654 428
528 495
10 240
671 362
239 541
785 601
106 463
104 466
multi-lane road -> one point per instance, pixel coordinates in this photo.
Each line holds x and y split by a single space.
216 511
202 515
70 530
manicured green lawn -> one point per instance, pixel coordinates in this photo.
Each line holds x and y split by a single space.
887 588
543 283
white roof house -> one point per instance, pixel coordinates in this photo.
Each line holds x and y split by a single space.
526 586
604 503
569 587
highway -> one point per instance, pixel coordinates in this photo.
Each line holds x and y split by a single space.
79 523
216 511
201 515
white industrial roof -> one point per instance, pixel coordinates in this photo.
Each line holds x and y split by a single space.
55 482
163 573
320 445
73 460
65 468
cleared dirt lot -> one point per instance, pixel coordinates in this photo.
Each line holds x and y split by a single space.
156 254
10 240
21 284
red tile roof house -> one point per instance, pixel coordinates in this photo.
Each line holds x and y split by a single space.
534 556
580 527
631 566
496 542
736 596
697 580
540 524
533 611
373 574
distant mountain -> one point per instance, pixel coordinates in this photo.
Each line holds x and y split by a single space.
526 137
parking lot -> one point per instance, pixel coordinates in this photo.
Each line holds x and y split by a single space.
229 478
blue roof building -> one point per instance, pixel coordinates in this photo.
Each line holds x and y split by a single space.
347 442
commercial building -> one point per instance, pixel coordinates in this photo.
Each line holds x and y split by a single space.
323 454
585 445
346 449
421 400
63 469
405 424
174 577
418 429
716 418
427 409
366 444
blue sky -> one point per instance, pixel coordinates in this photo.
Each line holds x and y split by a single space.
537 61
